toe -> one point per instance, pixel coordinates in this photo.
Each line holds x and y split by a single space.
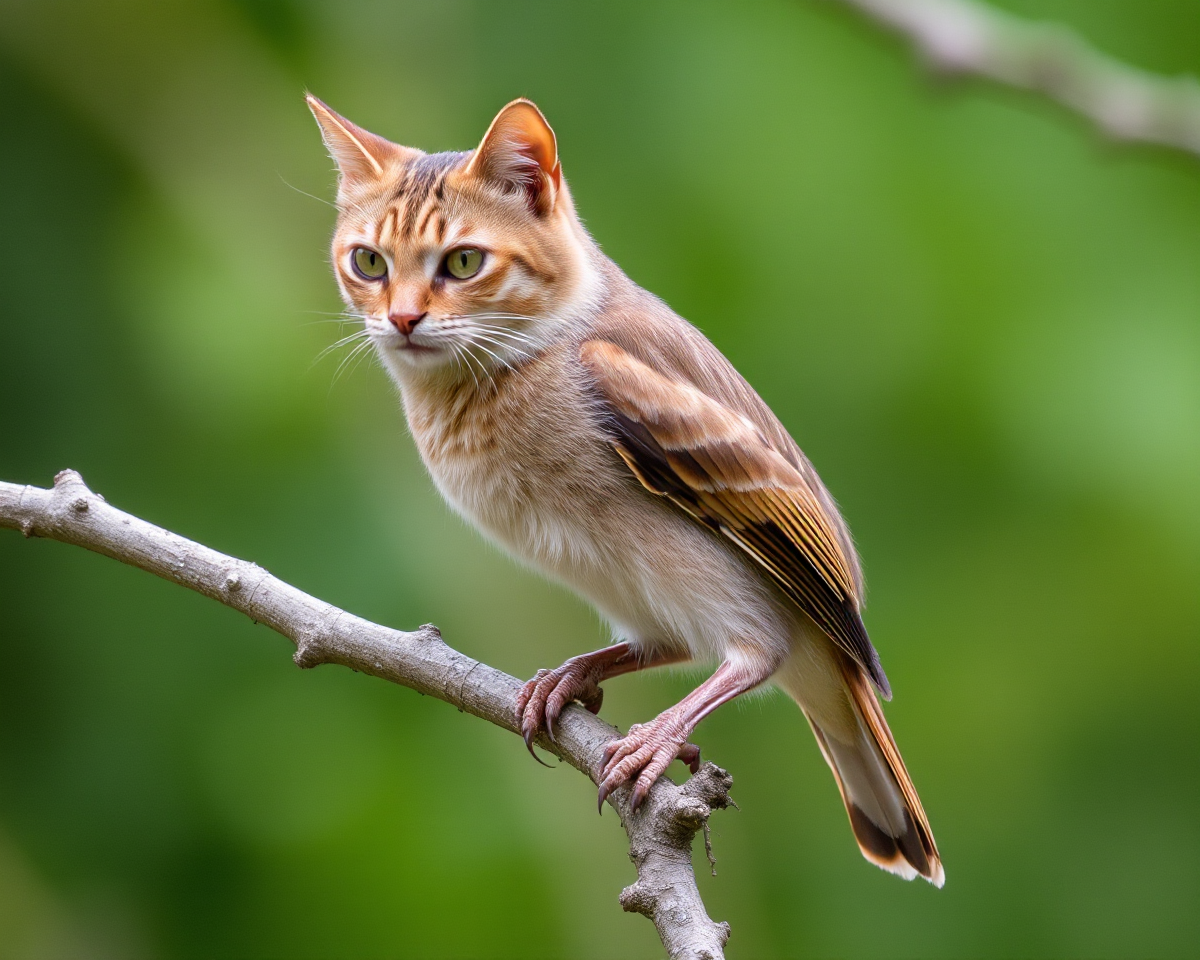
644 782
531 719
655 768
689 754
617 754
528 694
640 788
531 709
643 755
554 706
624 766
530 722
523 698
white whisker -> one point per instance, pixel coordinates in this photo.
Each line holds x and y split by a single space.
309 195
502 332
454 356
467 358
357 335
341 322
369 355
358 350
496 357
482 337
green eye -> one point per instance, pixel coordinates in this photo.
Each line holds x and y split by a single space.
368 264
464 263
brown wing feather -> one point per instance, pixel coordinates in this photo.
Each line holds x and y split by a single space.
646 329
715 464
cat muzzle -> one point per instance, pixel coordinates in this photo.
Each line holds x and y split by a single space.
405 322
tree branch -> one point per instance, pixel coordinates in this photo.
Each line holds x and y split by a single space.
962 36
660 832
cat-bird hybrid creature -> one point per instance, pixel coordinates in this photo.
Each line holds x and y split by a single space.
599 438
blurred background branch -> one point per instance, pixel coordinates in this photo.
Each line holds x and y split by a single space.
965 37
660 832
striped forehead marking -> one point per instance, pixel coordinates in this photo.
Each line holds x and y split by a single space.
387 228
430 210
425 177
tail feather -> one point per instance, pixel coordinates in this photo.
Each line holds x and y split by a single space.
885 812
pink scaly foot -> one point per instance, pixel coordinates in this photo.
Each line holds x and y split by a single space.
648 749
543 698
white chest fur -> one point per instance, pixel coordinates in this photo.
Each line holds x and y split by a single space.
530 467
524 463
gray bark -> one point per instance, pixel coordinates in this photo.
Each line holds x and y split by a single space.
660 832
963 36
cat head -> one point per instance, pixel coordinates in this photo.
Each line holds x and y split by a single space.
459 263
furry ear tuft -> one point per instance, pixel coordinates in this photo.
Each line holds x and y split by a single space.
520 154
360 155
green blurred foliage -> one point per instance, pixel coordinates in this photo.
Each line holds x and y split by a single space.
981 322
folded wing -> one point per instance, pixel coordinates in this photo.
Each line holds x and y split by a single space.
717 466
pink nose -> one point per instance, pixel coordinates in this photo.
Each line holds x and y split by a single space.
404 322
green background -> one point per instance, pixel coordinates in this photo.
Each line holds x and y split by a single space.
981 321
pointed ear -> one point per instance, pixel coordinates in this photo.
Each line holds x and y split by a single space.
359 154
519 154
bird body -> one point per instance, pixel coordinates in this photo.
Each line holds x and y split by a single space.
601 439
531 464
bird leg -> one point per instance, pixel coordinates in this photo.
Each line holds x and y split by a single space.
648 749
542 699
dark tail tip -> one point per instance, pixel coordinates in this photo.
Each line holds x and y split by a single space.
907 856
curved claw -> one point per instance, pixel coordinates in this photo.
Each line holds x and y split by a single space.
527 735
642 756
542 699
639 794
550 716
605 790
